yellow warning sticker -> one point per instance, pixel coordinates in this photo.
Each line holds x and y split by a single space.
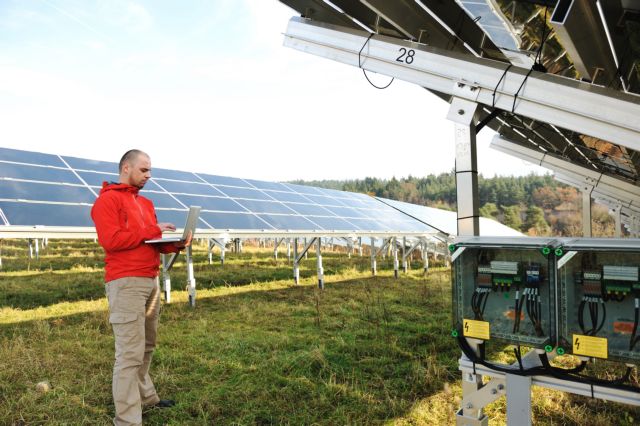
477 329
590 346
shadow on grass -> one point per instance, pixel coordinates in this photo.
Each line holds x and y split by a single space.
363 351
51 286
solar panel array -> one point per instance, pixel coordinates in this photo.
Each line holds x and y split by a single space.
53 190
447 221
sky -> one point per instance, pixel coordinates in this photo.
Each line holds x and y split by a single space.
206 86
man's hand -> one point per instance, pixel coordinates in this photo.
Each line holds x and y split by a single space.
186 243
166 227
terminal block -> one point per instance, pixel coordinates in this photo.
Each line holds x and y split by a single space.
504 275
504 283
619 280
599 287
591 283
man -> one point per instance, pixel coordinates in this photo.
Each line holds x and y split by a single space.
124 221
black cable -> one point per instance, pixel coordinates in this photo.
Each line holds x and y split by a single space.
636 320
495 89
515 97
364 71
613 384
581 316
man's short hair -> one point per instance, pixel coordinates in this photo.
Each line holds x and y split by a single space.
129 157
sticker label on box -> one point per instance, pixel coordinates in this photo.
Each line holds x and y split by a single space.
477 329
590 346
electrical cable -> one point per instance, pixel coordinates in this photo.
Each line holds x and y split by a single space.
364 71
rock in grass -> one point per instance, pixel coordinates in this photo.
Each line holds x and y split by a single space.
43 387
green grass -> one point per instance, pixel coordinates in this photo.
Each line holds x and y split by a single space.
255 350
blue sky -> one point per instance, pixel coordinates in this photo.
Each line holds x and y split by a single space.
207 86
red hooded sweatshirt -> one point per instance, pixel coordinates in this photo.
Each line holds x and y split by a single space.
124 221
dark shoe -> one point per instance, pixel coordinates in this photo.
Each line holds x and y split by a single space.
163 403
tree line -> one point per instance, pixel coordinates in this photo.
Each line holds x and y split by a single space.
533 204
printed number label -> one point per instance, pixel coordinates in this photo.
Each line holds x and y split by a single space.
406 56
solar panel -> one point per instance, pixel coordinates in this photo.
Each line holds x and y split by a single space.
446 221
50 190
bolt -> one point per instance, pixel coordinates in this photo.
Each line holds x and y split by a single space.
460 112
500 386
469 406
494 391
460 84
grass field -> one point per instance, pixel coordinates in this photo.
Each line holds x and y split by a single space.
256 350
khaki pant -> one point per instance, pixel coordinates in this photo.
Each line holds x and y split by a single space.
134 307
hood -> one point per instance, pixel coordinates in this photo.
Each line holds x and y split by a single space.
115 186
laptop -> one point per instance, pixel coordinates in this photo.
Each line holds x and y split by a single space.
189 228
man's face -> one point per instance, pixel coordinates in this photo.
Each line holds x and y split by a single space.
138 172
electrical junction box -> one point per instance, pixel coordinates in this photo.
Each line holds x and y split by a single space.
599 302
504 288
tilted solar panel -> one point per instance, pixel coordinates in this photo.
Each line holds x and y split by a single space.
50 190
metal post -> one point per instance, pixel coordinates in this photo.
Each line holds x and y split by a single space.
404 257
239 245
166 280
374 270
37 249
289 249
470 414
617 214
211 245
360 246
319 263
30 249
191 280
462 113
396 264
586 211
306 252
296 266
518 399
276 243
425 257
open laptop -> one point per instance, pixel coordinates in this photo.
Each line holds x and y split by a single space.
189 227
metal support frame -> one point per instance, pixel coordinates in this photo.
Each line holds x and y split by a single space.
586 210
374 266
222 244
30 244
550 382
386 243
191 279
407 253
425 256
298 257
581 107
296 266
618 217
319 263
360 246
166 278
462 112
613 192
276 244
289 249
396 264
404 257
